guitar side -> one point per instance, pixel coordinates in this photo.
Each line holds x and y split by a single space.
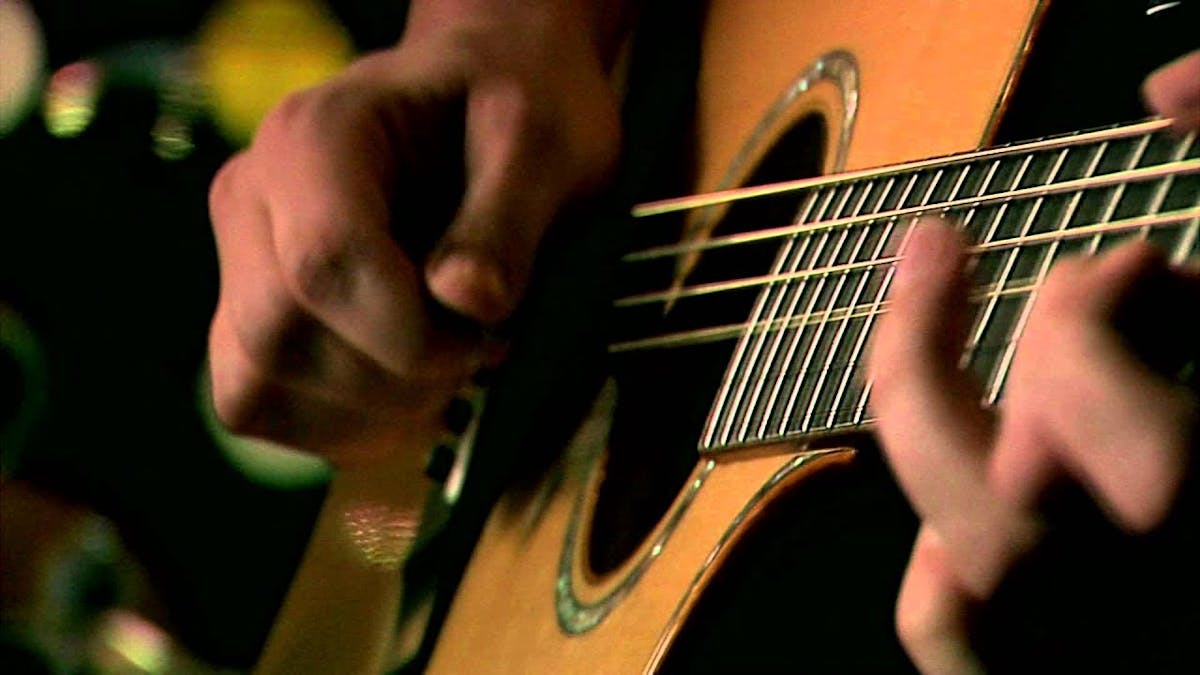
932 79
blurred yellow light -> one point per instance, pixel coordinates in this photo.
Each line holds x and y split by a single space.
255 52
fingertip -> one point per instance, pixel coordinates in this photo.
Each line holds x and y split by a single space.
472 285
933 252
1172 91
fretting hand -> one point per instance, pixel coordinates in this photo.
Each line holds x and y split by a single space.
1080 405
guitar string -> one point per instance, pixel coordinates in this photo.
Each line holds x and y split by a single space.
1010 255
1160 192
967 223
863 237
738 386
1047 260
864 330
929 192
692 202
1185 167
1079 232
979 293
1164 177
798 295
760 304
864 281
971 203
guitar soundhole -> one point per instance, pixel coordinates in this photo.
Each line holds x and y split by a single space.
664 394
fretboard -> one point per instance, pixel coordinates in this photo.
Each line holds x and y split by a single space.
799 365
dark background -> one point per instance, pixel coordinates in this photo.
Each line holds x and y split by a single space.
106 254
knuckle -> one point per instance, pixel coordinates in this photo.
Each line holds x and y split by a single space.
290 113
307 116
321 271
517 111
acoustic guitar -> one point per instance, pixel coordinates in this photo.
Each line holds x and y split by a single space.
726 409
675 465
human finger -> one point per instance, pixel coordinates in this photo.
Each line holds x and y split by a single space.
1085 397
277 373
1174 91
331 216
525 158
932 427
933 612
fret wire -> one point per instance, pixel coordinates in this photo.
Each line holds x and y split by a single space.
1186 242
984 317
965 223
815 340
863 281
754 372
1018 327
814 344
734 330
877 308
1117 178
987 181
796 337
861 420
973 340
1117 193
699 201
1192 231
1063 222
796 296
789 289
798 385
885 283
747 364
1112 227
861 341
759 306
835 343
1164 184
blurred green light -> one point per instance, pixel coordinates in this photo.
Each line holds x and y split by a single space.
262 461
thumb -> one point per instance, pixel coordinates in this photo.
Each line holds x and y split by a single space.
481 265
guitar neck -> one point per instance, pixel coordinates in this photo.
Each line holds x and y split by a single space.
798 368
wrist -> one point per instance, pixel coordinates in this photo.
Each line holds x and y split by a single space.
598 26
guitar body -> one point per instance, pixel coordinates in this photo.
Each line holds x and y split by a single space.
933 78
889 82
